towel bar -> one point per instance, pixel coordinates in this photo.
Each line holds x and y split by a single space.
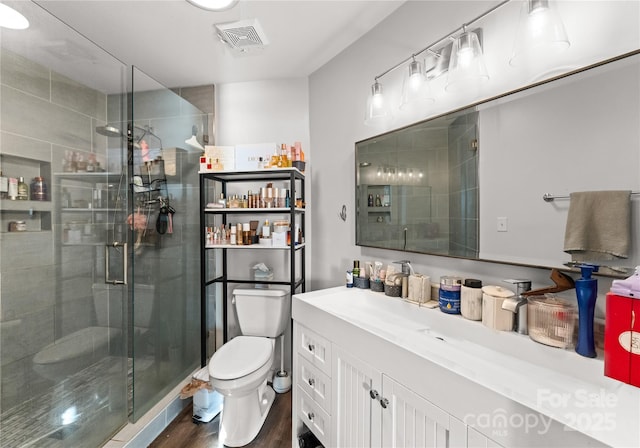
548 197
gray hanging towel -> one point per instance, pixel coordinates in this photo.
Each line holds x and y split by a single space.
598 225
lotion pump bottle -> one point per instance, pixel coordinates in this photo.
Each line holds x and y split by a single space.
587 292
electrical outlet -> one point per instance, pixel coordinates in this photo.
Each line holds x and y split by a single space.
502 224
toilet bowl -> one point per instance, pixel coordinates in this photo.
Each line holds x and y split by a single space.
82 348
73 352
240 369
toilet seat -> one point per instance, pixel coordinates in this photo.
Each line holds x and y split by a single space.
240 357
77 344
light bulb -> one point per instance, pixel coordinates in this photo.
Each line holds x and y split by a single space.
12 19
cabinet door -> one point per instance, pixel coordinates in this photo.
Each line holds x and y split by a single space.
411 421
356 386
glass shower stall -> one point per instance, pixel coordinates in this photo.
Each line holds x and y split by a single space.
99 263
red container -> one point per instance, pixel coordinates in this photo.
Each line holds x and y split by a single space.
622 339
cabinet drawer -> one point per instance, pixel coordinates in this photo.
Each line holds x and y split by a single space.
314 417
315 383
315 349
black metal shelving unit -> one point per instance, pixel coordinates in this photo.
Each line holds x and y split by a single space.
224 178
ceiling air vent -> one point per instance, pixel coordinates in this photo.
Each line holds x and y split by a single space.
242 36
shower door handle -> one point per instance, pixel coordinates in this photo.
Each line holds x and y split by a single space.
107 275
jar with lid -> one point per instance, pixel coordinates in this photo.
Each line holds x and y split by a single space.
39 189
471 299
449 294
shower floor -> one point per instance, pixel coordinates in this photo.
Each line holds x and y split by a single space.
90 396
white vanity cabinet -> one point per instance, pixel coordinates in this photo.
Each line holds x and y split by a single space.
312 384
374 371
373 410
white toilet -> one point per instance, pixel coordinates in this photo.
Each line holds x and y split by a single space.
239 370
84 347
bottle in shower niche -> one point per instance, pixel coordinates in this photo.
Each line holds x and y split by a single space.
23 190
378 201
4 186
370 200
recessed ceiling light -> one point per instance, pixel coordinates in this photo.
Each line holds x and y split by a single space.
10 18
214 5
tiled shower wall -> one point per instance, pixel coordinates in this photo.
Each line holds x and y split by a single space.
463 186
43 114
424 205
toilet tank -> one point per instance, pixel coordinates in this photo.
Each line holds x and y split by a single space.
262 312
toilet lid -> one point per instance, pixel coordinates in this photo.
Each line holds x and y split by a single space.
240 357
79 343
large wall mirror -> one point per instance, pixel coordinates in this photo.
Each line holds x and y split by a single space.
471 183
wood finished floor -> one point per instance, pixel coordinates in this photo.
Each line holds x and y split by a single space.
182 432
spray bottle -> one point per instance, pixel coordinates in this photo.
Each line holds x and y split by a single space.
587 292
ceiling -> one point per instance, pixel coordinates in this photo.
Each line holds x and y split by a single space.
176 42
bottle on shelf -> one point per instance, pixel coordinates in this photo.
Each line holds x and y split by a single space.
370 200
66 199
275 159
283 162
23 189
13 188
217 166
378 201
4 186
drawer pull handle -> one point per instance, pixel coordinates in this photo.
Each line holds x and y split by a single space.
374 394
311 382
384 403
310 416
311 347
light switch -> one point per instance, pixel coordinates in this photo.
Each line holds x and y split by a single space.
502 224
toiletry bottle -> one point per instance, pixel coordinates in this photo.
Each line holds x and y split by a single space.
349 279
232 239
275 159
222 201
23 189
239 241
266 229
4 186
587 292
356 268
13 188
66 198
370 200
378 201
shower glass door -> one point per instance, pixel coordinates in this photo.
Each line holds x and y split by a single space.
63 329
164 224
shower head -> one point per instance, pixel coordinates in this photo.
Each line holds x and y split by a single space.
109 131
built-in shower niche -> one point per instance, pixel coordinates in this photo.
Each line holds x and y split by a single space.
35 214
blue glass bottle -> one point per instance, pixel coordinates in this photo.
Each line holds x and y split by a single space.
587 293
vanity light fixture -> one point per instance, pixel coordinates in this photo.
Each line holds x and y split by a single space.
12 19
214 5
377 106
540 32
415 86
466 65
464 57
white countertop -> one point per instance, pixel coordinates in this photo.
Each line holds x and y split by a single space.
560 384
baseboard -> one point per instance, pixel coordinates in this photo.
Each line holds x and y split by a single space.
141 433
